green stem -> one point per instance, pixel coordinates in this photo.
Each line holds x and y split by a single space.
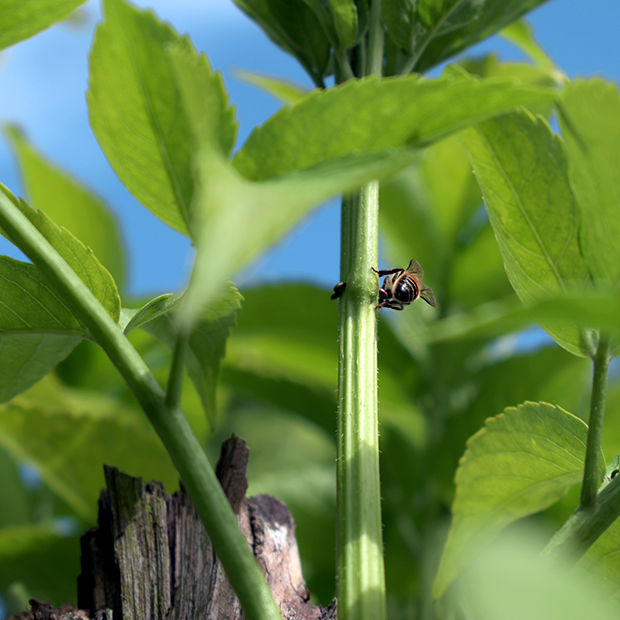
591 473
177 366
170 423
361 580
376 34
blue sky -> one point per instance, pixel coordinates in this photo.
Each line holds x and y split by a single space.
44 80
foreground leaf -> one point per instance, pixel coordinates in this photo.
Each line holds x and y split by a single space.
522 170
22 19
523 461
132 86
370 116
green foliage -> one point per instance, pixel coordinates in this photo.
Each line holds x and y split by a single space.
455 381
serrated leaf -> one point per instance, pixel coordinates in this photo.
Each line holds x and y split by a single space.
371 116
70 204
521 462
522 170
132 86
293 26
77 256
68 436
206 343
281 89
22 19
445 28
589 117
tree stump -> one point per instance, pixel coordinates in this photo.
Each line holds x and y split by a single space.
150 557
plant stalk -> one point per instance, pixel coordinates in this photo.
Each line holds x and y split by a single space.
169 422
591 473
360 569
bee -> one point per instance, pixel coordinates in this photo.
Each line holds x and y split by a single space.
403 286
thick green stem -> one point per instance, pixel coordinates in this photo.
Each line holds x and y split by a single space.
361 581
591 473
169 422
376 34
177 366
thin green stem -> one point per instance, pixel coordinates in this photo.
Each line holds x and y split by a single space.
170 423
177 366
591 473
360 570
376 34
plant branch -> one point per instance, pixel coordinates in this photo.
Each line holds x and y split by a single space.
177 366
376 34
169 422
360 571
591 473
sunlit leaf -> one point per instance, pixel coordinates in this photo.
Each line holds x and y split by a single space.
132 86
520 463
521 34
281 89
522 170
22 19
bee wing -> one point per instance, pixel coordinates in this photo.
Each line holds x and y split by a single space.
427 295
415 269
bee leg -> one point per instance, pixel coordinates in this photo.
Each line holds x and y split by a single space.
338 290
383 294
387 272
394 305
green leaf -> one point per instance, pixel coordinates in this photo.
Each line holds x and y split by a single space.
523 461
295 27
22 19
344 17
370 116
445 28
400 18
589 117
70 205
68 437
132 86
206 344
520 33
283 90
522 170
77 256
46 562
511 582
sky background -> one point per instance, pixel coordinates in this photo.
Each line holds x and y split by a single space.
44 80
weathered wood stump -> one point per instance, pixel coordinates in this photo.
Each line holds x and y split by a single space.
150 557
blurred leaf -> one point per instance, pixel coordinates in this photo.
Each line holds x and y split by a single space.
370 116
132 85
507 315
521 462
400 18
445 28
511 582
206 345
70 205
521 167
16 503
520 33
22 19
589 117
344 18
68 436
38 556
281 89
293 26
